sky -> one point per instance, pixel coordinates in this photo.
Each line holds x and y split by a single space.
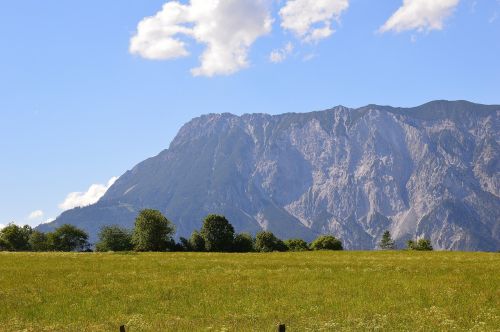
88 89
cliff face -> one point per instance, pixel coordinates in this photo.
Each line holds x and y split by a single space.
429 171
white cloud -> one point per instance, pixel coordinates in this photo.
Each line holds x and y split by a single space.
2 226
420 15
91 196
35 214
311 20
227 28
493 18
48 221
279 55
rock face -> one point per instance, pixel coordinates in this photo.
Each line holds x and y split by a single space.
431 171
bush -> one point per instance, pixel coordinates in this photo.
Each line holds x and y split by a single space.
114 238
218 233
326 242
152 231
15 238
68 238
296 245
243 243
39 241
420 245
196 242
268 242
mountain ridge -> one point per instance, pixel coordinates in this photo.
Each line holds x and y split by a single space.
417 171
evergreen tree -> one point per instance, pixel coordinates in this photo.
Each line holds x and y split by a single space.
387 243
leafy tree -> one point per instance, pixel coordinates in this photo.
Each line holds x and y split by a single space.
68 238
218 233
387 243
197 242
114 238
268 242
16 238
4 246
420 245
39 241
296 245
326 242
152 232
243 243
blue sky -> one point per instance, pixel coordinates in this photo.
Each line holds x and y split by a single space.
81 102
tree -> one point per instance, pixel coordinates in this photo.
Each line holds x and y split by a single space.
114 238
16 238
268 242
39 241
387 243
152 231
243 243
68 238
184 244
296 245
218 233
197 242
326 242
420 245
4 246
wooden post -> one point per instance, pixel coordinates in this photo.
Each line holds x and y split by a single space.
282 328
122 328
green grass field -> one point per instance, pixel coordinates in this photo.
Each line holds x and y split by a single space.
313 291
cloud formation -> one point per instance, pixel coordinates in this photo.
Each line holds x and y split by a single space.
420 15
91 196
279 55
227 28
2 226
311 20
35 215
48 221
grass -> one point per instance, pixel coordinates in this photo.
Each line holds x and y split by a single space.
313 291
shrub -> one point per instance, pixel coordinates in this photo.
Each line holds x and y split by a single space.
218 233
68 238
243 243
114 238
326 242
296 245
420 245
152 231
268 242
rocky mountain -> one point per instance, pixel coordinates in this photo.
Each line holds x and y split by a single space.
430 171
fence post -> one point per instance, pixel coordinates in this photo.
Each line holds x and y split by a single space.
282 328
122 328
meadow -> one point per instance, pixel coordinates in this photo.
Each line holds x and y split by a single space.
308 291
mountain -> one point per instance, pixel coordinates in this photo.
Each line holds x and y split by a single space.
430 171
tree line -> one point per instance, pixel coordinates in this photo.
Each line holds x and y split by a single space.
154 232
